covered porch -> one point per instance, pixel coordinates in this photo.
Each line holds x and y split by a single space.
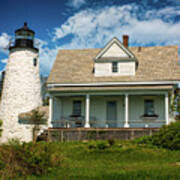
109 110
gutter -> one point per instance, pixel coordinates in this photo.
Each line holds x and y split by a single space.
112 84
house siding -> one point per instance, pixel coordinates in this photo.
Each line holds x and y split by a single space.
124 69
114 51
98 110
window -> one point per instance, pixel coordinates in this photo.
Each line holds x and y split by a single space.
149 108
77 108
35 61
114 67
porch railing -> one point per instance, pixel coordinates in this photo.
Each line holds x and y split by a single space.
75 122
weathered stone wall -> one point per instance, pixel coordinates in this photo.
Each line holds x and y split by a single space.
21 93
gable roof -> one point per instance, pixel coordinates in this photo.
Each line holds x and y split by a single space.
158 63
126 52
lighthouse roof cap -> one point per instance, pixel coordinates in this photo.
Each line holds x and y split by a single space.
25 28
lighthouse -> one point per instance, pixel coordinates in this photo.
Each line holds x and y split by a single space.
21 89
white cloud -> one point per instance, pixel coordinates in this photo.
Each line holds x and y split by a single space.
4 60
4 42
46 58
94 28
76 4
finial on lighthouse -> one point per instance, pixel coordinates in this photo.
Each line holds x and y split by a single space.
25 24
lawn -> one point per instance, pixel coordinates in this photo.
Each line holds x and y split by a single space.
123 160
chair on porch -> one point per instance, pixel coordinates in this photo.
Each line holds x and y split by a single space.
77 120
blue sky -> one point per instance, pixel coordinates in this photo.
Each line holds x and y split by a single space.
74 24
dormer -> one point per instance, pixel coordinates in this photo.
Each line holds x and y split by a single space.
115 59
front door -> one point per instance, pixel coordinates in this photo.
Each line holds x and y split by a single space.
111 113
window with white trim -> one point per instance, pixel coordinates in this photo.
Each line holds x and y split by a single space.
149 107
77 108
114 67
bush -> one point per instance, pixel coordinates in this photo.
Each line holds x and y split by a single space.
168 136
92 145
111 142
144 140
101 145
28 159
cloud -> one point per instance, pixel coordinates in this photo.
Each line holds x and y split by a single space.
94 28
4 60
4 42
76 4
46 58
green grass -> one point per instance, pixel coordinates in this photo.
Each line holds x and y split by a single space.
125 161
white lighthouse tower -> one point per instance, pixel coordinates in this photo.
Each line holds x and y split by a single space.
21 89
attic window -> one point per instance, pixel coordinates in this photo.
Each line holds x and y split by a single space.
114 67
35 61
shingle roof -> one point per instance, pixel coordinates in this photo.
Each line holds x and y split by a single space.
158 63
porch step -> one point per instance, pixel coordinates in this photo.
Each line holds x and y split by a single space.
43 136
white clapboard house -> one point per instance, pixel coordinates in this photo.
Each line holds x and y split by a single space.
113 87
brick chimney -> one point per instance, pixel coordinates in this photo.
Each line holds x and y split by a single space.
125 40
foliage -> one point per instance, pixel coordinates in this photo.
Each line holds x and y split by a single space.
175 104
168 137
131 161
28 159
46 101
99 145
37 118
144 140
111 142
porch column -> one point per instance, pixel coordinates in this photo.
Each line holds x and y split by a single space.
167 108
50 111
126 102
87 125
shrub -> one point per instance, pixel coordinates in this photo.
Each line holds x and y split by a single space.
168 136
92 145
102 145
37 118
111 142
28 159
144 140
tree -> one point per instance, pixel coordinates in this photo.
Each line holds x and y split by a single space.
175 105
37 119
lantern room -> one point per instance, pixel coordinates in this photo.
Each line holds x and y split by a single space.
24 38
